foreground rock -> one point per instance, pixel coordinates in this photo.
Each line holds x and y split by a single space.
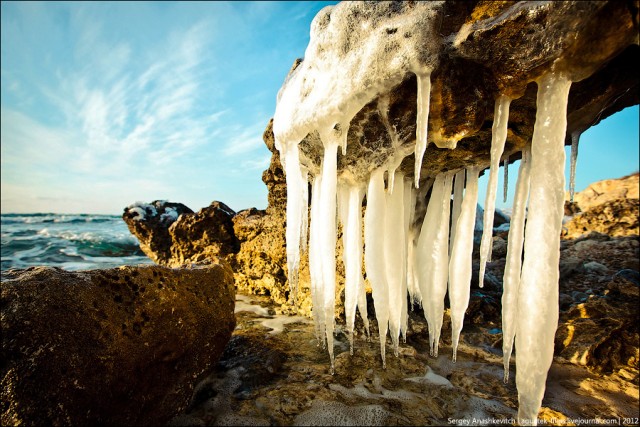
109 347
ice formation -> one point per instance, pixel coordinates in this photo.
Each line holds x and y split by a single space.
460 264
537 318
505 188
413 245
575 140
498 138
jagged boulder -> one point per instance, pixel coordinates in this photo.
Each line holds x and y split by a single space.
121 346
618 217
602 332
173 235
150 222
607 190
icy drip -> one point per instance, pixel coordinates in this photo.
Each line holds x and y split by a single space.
315 266
395 159
511 279
538 293
458 190
409 208
374 223
505 188
460 263
422 121
395 258
433 257
575 140
328 233
498 138
350 197
304 192
296 213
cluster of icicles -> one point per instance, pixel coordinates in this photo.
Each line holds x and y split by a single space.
405 259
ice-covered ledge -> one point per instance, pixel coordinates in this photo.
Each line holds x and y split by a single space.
395 99
483 49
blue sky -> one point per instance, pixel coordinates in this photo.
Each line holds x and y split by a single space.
106 104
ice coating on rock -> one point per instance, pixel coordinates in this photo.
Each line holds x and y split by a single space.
460 263
374 223
513 262
575 140
348 57
433 257
538 293
498 138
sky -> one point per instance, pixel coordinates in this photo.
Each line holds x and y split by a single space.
106 104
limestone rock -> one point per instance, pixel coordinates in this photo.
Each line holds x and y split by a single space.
188 238
602 332
606 191
207 234
617 217
121 346
150 224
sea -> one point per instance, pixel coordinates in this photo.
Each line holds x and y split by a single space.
71 242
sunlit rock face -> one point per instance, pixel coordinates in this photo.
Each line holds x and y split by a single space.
383 81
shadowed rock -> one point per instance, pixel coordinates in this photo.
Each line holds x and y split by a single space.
121 346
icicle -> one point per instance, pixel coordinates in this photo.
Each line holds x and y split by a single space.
511 279
395 258
374 221
460 263
498 138
304 191
315 264
433 257
350 197
458 190
424 96
538 293
575 140
327 234
296 211
409 206
505 188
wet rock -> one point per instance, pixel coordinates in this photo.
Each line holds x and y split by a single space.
122 346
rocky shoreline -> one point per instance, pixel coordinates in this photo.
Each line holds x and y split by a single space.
210 334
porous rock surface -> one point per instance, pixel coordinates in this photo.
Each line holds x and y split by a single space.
122 346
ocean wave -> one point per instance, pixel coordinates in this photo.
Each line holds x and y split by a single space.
72 242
